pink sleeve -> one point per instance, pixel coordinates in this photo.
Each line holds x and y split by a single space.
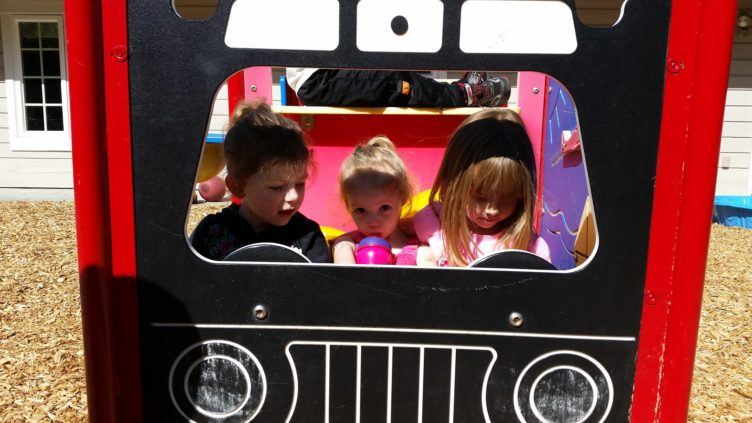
540 249
428 230
426 224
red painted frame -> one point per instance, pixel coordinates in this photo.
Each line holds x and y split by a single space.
699 54
700 35
102 171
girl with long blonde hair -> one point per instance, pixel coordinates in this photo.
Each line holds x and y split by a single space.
483 198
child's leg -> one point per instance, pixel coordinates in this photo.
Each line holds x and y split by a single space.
427 92
330 87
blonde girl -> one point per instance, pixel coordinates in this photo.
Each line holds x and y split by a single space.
267 168
483 197
374 184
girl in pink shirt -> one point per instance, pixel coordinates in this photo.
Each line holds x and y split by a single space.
483 197
374 185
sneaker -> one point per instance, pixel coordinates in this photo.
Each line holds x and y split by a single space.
493 92
474 78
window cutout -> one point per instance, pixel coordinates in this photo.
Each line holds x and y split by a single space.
535 27
600 13
308 25
195 10
567 225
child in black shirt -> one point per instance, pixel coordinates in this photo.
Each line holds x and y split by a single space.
267 167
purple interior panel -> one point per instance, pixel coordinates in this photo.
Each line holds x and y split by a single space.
565 187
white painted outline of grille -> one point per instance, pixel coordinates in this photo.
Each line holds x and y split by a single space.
390 346
590 380
561 352
198 408
216 341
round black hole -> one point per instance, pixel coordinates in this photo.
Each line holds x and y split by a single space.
399 25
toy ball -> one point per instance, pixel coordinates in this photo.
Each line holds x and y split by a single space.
374 250
331 233
212 161
213 189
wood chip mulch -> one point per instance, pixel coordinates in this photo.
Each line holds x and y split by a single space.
41 352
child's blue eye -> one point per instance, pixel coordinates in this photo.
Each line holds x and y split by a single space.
385 208
359 210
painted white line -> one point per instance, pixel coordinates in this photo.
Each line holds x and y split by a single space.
389 387
357 386
451 385
294 383
486 416
390 365
396 330
420 384
326 383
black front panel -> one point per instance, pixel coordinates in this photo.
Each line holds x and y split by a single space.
573 357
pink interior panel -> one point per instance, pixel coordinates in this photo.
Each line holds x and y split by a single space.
322 202
420 141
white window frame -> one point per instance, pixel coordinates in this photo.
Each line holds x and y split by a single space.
20 138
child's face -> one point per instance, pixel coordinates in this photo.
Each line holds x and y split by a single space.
485 213
376 212
274 195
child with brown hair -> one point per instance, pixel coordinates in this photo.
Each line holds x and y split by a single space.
267 168
486 186
374 185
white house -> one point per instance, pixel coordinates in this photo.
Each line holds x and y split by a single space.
35 157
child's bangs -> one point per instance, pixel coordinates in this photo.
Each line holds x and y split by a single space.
287 167
369 180
498 177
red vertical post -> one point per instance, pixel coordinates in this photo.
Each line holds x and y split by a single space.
125 330
700 41
100 128
85 79
235 91
532 99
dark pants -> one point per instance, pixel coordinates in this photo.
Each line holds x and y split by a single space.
331 87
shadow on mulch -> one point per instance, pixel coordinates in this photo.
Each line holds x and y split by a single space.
41 352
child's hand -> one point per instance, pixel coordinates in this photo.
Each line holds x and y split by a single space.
343 250
425 257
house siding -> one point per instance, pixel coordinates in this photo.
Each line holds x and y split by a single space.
734 175
30 175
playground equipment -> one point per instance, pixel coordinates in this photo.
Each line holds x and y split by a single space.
171 336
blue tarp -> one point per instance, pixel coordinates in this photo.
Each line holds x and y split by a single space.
215 138
733 210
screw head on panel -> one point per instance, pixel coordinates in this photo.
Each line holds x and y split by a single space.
260 312
516 319
675 66
119 53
